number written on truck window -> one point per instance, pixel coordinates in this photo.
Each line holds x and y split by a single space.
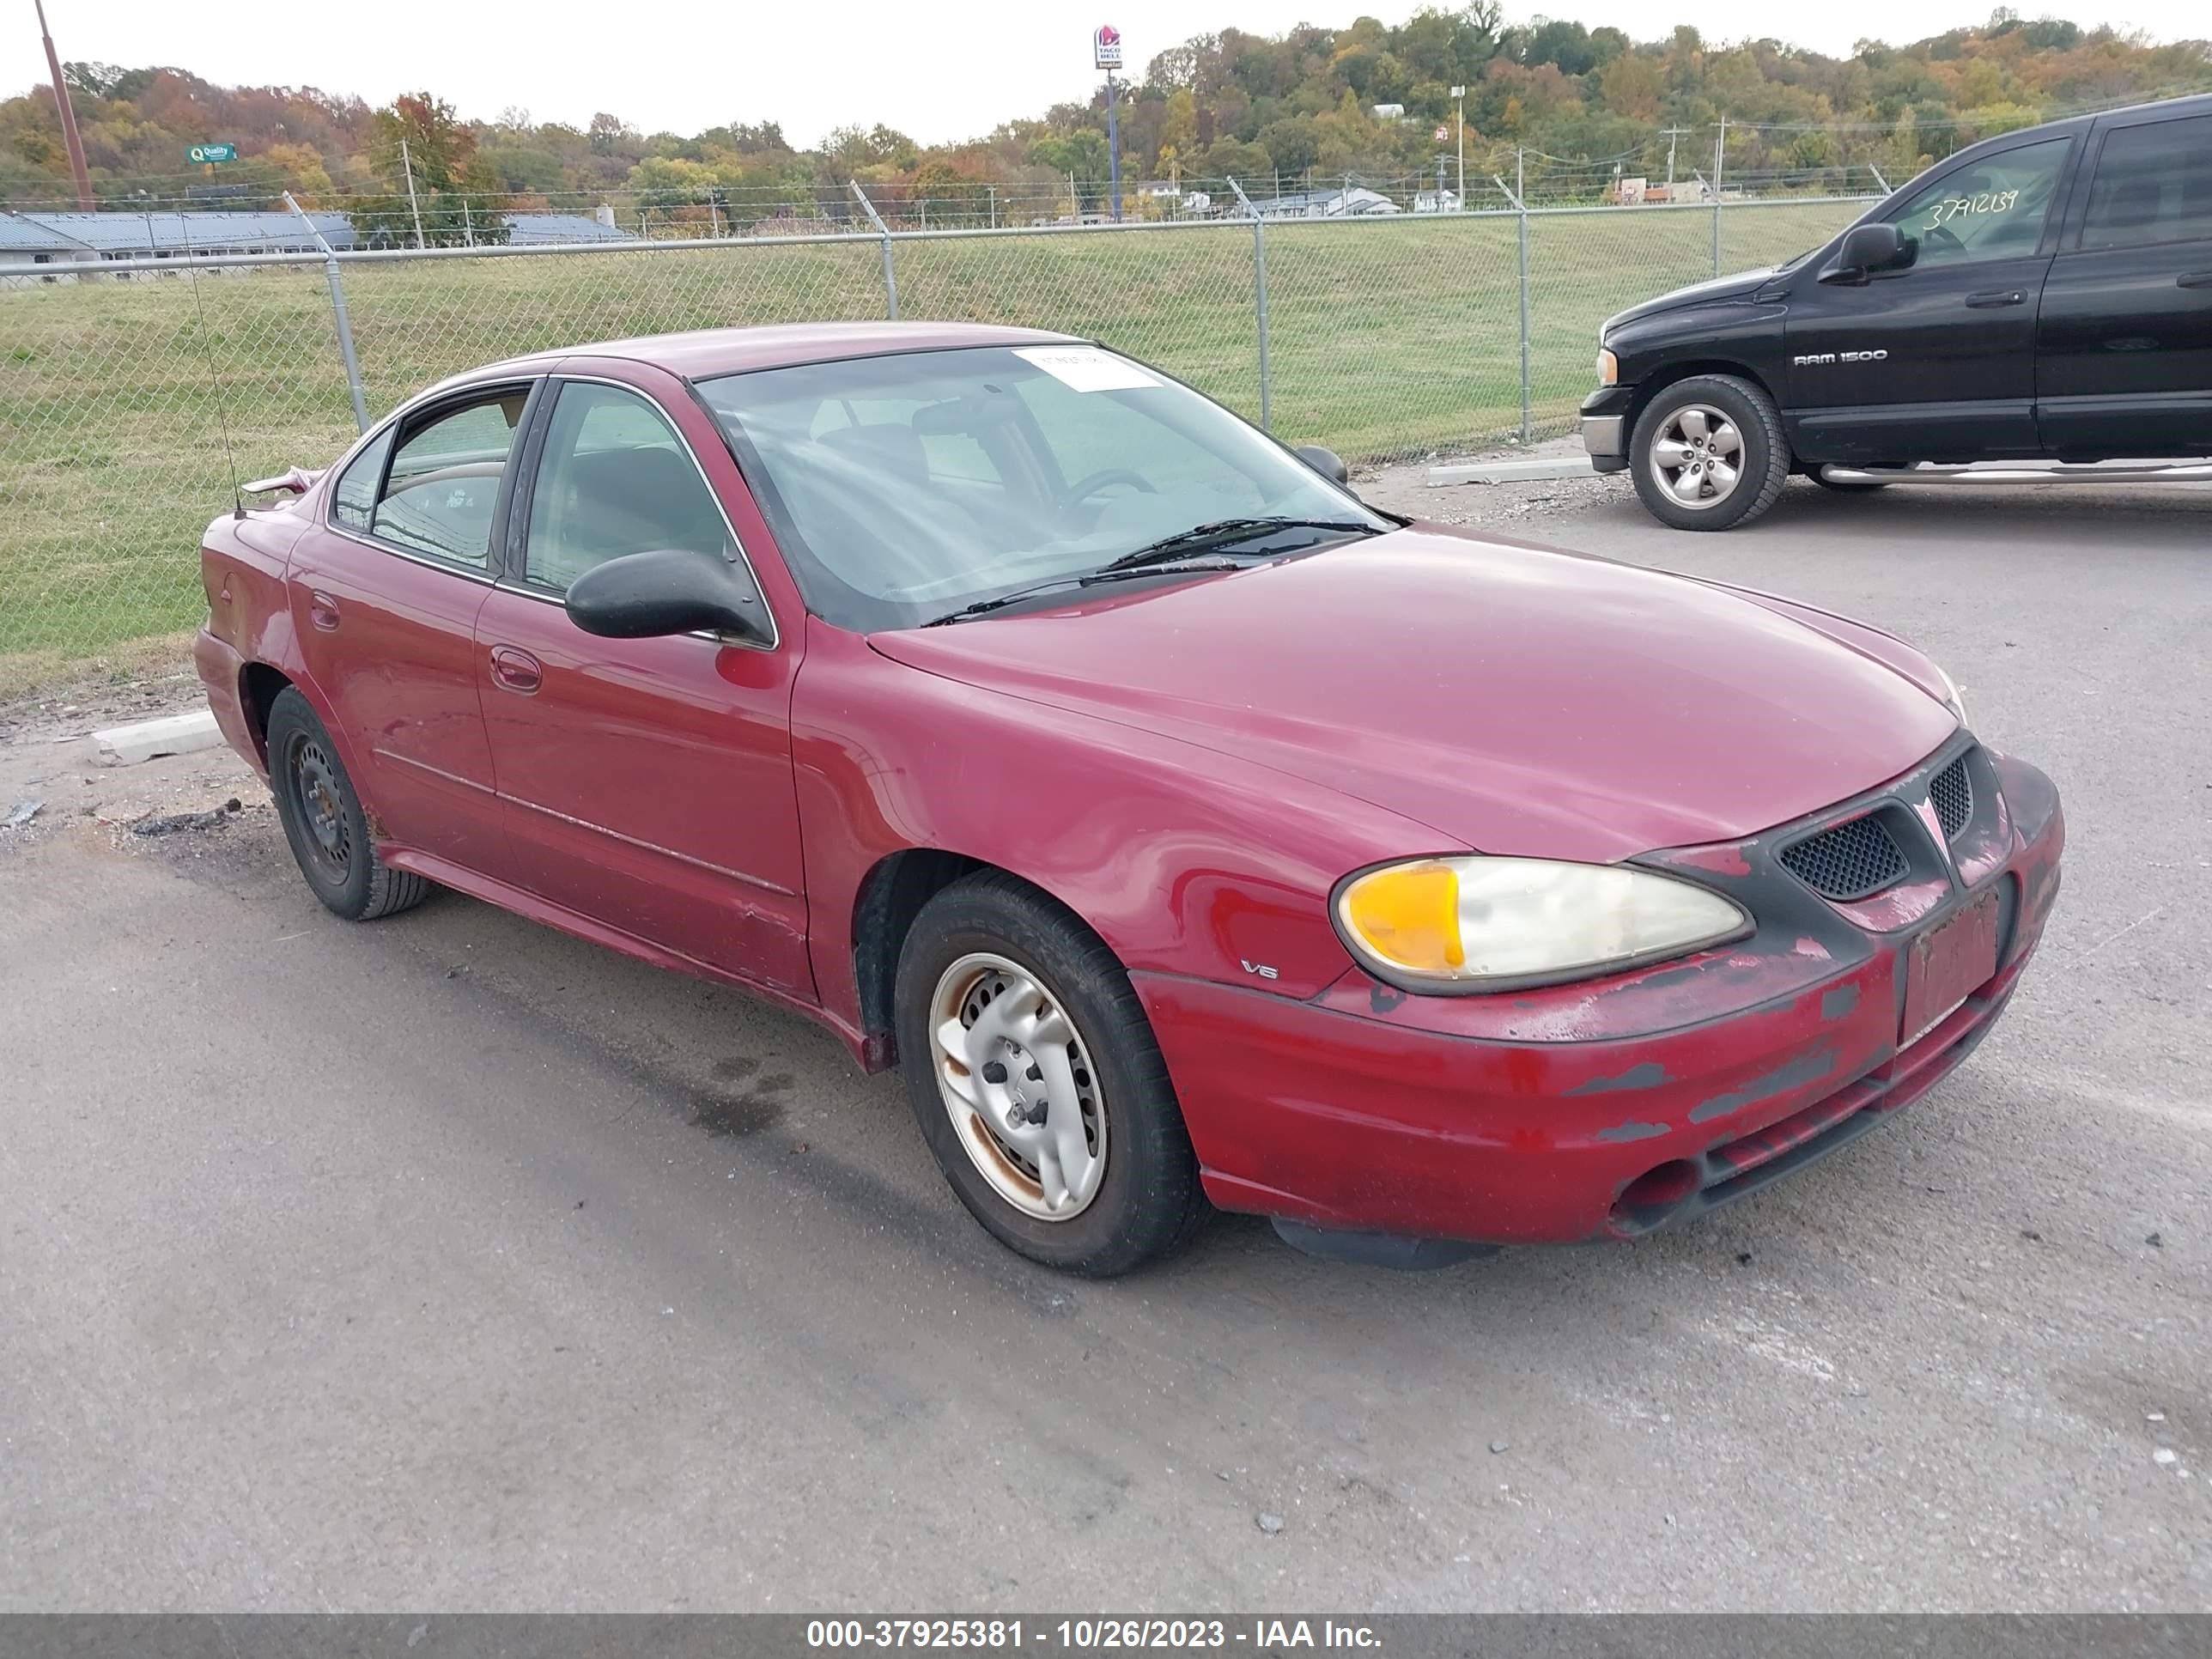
1991 209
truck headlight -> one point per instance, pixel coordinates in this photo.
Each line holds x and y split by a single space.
1474 923
1608 368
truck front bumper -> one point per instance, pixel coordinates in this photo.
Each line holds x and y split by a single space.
1605 427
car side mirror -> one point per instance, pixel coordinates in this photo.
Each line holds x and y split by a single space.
1326 462
1868 249
643 596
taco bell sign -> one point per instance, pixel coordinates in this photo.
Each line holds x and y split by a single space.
1106 47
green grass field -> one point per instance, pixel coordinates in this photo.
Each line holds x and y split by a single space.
1387 340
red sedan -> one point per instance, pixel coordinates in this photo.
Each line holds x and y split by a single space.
1185 829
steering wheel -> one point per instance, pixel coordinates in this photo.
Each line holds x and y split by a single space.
1949 238
1086 488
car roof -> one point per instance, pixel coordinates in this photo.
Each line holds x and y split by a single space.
704 353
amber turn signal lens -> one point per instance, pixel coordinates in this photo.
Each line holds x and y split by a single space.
1408 914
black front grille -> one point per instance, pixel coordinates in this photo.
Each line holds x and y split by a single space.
1952 793
1850 862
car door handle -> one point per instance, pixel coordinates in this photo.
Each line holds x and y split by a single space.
2194 279
516 670
322 610
1990 298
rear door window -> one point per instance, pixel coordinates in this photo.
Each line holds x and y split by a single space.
2152 184
438 497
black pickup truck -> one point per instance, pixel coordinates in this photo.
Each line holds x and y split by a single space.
2044 296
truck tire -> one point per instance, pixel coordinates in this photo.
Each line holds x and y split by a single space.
1707 453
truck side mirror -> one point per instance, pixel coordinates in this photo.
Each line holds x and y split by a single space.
1869 248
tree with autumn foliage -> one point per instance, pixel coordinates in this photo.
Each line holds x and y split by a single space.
420 142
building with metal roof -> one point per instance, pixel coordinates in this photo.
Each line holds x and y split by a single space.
43 237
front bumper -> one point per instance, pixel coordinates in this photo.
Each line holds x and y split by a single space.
1606 1109
1605 427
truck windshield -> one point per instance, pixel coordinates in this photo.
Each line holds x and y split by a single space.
904 487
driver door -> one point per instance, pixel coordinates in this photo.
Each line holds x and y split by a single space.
1936 361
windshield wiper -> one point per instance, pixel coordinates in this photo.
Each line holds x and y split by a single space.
1110 574
1221 532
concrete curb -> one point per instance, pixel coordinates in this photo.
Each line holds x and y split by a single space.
1494 472
142 740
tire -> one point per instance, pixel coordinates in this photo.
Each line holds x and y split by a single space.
1682 416
990 935
1852 487
324 822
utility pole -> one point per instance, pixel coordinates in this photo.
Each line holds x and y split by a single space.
1459 105
70 141
1672 134
407 166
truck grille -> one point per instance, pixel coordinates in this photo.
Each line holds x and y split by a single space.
1850 862
1952 793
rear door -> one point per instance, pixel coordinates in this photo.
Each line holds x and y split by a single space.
647 784
1936 361
2123 349
383 598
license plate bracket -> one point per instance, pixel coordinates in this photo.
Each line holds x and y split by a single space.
1946 966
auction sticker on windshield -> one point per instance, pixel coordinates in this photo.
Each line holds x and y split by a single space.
1086 368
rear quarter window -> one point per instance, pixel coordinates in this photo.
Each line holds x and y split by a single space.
353 503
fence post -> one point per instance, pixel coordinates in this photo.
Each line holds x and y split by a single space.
1720 157
338 315
890 276
1259 299
1521 208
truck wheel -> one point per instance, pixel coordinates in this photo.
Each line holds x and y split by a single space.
1707 453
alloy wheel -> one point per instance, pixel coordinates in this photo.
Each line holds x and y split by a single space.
1699 456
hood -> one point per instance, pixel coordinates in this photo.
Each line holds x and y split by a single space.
1512 699
1741 286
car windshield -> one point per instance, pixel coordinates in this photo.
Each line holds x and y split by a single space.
908 487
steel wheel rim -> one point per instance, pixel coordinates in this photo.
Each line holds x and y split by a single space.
1019 1085
1698 457
315 791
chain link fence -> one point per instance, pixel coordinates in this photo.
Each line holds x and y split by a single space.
128 392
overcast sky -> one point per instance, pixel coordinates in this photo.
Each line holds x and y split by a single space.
936 73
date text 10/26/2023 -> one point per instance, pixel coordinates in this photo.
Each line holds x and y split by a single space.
1260 1635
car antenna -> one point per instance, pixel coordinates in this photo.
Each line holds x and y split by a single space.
215 383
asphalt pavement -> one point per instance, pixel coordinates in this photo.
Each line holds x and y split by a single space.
447 1263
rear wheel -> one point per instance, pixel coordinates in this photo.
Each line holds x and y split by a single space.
1707 453
324 822
1035 1076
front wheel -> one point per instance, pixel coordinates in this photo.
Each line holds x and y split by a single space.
1035 1076
1707 453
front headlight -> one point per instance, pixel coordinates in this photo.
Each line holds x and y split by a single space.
1608 368
1477 924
